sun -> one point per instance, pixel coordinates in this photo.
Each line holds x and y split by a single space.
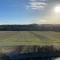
57 9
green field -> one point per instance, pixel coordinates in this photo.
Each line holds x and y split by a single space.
13 38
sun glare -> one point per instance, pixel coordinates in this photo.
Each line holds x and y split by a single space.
57 9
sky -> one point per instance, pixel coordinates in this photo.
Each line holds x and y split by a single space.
29 11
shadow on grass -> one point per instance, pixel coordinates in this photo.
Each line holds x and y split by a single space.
31 53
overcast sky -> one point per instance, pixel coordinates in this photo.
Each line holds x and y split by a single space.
29 11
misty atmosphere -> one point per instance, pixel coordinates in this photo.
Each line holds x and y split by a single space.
29 29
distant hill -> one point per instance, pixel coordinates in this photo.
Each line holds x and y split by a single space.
31 27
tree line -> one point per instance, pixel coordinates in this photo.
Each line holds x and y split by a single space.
30 27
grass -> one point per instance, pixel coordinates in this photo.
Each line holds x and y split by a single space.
13 38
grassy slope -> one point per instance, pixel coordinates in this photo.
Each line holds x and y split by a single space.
11 38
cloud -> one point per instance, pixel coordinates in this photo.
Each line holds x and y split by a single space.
36 4
49 20
38 0
33 0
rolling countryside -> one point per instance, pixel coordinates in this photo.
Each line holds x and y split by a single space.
13 38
